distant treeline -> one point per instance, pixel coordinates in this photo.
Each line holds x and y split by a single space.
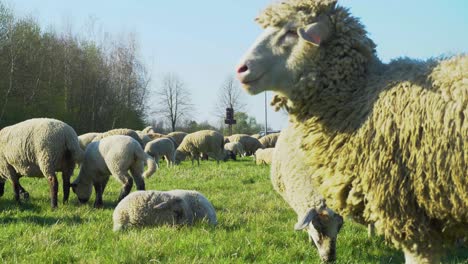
91 86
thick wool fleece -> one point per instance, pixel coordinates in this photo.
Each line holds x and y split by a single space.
235 147
122 132
384 143
38 147
269 141
264 156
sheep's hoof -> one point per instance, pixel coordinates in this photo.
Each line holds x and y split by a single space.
98 205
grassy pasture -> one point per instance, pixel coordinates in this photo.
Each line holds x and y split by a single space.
255 225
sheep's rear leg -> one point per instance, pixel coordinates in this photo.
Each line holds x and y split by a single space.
127 181
2 187
67 172
137 172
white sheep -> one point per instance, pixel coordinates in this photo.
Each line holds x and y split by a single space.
264 156
161 147
233 149
250 144
148 129
150 208
145 139
39 147
114 155
87 138
384 143
122 132
205 141
178 137
269 141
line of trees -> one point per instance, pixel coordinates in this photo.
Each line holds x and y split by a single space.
91 86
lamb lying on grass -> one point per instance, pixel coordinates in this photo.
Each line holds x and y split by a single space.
153 208
114 155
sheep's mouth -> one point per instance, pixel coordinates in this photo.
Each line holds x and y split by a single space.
251 85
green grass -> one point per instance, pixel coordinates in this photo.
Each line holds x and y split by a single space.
255 225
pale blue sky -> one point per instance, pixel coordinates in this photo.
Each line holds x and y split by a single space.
203 40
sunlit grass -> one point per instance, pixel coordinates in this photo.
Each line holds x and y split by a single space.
255 225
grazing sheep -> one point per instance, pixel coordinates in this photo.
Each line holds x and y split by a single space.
204 141
87 138
161 147
114 155
233 149
269 141
122 132
150 208
249 143
264 156
178 137
148 129
145 139
39 147
385 143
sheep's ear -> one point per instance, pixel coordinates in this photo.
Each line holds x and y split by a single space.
162 206
309 217
317 32
318 219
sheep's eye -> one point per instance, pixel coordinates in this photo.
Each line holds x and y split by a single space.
290 37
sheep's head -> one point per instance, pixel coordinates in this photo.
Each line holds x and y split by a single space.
174 211
180 156
307 46
82 190
323 226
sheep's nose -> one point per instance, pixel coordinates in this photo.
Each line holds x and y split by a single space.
242 69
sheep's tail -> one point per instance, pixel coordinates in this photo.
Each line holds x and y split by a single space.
73 145
152 166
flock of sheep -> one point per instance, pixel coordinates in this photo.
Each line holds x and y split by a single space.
383 144
42 147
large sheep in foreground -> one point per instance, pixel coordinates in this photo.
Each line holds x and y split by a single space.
150 208
204 141
161 147
249 143
269 141
122 132
264 156
385 143
87 138
114 155
39 147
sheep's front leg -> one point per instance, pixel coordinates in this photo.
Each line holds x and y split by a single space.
16 187
98 188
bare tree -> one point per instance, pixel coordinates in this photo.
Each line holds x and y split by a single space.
174 100
229 96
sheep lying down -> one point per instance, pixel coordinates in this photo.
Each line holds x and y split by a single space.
154 208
